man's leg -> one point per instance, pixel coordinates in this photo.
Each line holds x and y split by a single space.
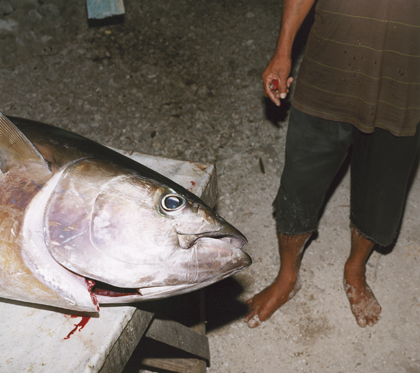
285 286
363 303
380 169
315 150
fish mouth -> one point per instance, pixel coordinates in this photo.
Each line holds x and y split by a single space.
221 252
108 294
227 234
102 289
160 292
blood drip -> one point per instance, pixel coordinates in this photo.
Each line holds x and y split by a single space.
79 326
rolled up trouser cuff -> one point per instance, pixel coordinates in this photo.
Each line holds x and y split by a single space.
292 218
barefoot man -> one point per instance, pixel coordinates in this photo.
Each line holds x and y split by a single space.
358 90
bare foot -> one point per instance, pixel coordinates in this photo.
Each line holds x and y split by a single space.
262 305
363 303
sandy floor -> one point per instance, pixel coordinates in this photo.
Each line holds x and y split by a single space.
181 79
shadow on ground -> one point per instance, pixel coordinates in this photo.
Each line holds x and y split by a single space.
220 300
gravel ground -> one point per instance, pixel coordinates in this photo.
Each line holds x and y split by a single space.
182 79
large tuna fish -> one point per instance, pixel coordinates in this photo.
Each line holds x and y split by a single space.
81 224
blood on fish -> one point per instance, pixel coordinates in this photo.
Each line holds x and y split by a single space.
90 284
110 293
79 326
193 183
108 290
101 289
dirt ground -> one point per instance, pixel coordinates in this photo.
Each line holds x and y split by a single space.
182 79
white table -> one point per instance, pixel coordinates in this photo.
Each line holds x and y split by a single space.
32 338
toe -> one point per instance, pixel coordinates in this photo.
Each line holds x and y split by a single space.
361 321
375 319
250 300
254 322
252 313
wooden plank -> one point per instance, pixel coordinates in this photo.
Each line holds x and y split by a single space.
180 337
173 365
187 310
201 328
127 342
183 365
159 357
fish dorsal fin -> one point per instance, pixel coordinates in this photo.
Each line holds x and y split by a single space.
16 147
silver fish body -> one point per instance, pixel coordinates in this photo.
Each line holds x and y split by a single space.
81 224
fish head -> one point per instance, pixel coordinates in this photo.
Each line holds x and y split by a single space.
113 225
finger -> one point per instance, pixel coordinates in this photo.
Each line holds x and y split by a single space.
283 88
272 95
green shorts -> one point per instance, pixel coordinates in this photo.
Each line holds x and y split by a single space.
381 165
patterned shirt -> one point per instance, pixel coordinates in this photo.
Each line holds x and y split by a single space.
362 65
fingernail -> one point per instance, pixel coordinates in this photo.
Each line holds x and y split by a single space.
283 95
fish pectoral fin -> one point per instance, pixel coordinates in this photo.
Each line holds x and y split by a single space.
15 146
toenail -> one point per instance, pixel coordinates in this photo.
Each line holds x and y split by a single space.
254 322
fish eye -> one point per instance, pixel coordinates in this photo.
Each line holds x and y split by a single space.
172 202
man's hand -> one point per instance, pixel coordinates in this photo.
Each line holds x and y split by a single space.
276 79
293 14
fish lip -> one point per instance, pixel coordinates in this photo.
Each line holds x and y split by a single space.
132 295
235 239
157 292
119 295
